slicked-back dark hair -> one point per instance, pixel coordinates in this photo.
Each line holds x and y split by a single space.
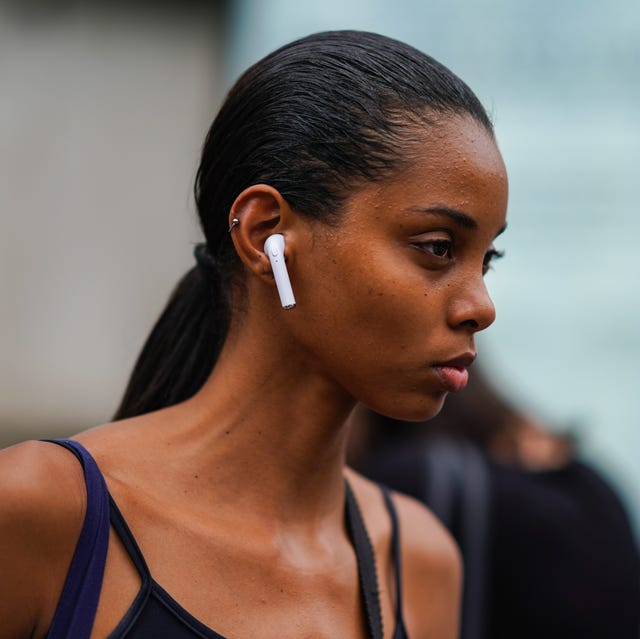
314 119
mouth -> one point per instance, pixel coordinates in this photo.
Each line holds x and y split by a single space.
453 373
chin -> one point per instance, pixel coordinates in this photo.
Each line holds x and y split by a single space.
416 411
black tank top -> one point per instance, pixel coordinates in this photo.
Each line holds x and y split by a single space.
154 614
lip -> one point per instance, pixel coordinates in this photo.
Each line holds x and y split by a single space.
461 361
453 373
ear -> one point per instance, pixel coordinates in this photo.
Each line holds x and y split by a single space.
260 211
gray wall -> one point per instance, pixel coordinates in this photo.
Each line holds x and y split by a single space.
102 115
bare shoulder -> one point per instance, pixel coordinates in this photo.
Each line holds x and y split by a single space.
424 538
42 503
431 565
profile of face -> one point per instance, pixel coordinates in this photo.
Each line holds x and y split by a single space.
391 297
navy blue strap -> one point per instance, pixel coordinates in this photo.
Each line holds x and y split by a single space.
129 542
78 603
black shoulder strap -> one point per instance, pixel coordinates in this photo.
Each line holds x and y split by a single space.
366 565
397 560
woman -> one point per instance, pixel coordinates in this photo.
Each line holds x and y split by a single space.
379 170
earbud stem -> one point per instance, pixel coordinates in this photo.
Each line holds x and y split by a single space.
274 248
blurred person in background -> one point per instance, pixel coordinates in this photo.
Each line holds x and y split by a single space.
547 544
219 496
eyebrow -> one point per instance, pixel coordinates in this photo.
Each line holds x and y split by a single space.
459 217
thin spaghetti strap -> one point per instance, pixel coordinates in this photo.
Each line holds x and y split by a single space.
128 541
366 565
78 603
397 558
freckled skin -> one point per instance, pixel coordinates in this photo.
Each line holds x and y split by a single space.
382 315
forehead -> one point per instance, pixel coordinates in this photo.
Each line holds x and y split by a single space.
454 163
461 145
456 155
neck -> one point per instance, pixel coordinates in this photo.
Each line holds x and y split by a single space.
271 428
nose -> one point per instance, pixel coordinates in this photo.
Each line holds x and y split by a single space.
473 309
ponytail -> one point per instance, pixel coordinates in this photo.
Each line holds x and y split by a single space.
184 344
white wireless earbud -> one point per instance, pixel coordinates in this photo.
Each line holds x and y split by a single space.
274 248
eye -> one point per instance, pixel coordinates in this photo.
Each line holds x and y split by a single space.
441 248
490 256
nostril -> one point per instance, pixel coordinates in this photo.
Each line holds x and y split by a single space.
471 323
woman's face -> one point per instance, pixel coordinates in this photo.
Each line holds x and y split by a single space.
390 299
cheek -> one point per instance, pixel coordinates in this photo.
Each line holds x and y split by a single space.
373 326
392 297
374 309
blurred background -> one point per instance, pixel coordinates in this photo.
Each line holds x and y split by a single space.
103 110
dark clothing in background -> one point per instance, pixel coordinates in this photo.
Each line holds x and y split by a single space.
564 560
548 555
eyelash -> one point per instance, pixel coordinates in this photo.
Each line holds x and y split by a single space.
489 258
447 245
